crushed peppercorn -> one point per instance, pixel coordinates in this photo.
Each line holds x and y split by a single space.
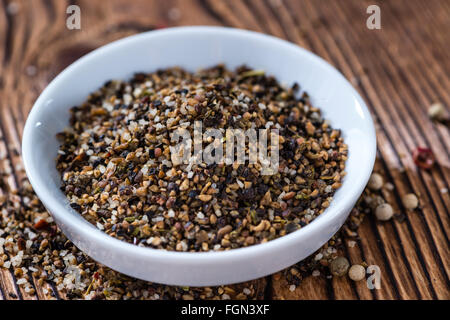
118 171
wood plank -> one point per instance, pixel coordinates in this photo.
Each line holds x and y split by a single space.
399 70
391 127
311 288
420 229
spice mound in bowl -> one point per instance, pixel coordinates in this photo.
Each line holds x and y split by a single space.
119 173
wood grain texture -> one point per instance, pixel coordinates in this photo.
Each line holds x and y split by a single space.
399 70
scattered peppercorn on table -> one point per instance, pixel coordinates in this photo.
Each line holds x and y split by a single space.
394 244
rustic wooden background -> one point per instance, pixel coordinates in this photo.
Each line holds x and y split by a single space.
399 70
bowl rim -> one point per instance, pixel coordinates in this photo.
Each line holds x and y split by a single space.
60 210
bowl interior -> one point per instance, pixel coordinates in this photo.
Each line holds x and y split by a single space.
193 48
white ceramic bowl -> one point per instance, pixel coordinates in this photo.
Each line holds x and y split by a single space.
193 48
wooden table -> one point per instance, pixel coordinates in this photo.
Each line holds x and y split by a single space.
399 70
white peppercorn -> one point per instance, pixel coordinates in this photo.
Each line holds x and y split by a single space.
384 212
436 111
357 272
410 201
375 181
